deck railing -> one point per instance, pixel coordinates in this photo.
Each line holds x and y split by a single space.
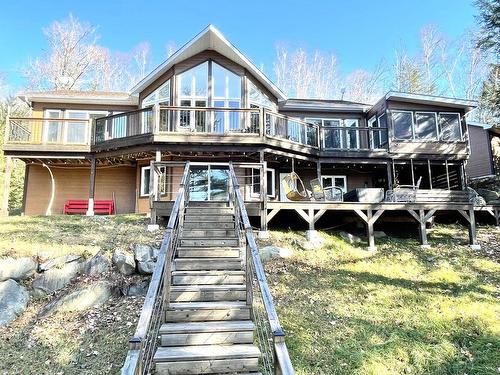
291 129
270 335
123 125
143 344
48 131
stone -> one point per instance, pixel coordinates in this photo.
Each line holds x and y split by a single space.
270 252
17 268
137 289
59 261
146 268
379 234
13 301
81 299
349 238
99 263
142 253
124 262
56 278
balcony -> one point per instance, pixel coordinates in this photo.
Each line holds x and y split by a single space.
47 134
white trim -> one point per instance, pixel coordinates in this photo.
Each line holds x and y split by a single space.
273 174
412 124
436 126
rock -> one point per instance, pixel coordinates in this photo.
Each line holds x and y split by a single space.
142 253
13 301
124 261
379 234
58 261
269 252
99 263
56 278
349 238
146 268
17 268
137 289
81 299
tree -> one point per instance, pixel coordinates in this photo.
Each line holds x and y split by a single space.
489 19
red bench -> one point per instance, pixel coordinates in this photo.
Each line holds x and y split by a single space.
74 206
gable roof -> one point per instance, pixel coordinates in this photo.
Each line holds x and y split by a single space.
209 39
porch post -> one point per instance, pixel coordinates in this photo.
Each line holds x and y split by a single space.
369 224
263 233
472 231
389 176
447 174
4 209
423 230
412 173
430 173
90 208
154 194
318 171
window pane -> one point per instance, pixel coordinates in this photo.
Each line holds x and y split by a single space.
164 92
258 97
332 136
197 76
352 134
185 116
449 126
327 182
402 125
425 127
340 182
270 183
146 173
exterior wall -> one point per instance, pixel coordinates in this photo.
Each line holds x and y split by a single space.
72 182
480 162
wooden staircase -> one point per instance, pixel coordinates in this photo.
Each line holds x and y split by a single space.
207 326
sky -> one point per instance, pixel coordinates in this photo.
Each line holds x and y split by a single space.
359 32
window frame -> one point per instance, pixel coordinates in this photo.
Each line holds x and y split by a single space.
437 132
346 132
59 119
412 127
273 185
163 170
66 124
462 135
333 177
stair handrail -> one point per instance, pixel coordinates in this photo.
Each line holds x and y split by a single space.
144 342
283 364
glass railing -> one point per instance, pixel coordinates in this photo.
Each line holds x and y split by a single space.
291 129
353 138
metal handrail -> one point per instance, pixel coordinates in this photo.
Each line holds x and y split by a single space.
144 342
283 364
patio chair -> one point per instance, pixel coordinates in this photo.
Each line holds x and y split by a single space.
403 193
329 194
294 187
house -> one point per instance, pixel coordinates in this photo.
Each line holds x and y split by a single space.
209 104
484 150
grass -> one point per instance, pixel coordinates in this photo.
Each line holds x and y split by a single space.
400 310
62 234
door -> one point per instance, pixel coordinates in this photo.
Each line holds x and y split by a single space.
209 183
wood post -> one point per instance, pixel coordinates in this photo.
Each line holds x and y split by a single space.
263 192
90 208
4 209
389 176
370 218
471 219
422 217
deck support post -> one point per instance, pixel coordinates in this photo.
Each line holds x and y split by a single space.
471 219
90 208
370 218
389 176
263 196
154 194
422 217
4 209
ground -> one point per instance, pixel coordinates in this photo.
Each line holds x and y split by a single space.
400 310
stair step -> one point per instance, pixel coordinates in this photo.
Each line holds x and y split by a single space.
207 311
207 264
207 293
208 225
207 277
209 233
193 204
215 218
207 333
208 252
207 359
208 242
210 210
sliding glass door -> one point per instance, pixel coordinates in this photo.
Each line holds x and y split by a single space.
209 183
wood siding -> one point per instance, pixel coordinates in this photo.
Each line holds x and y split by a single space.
72 182
480 162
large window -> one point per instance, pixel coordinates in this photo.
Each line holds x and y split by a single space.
76 132
426 125
449 126
256 182
403 124
58 130
226 93
193 92
257 98
161 96
337 133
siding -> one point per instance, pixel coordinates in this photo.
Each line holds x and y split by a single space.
73 183
480 160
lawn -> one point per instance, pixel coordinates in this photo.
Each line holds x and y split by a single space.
400 310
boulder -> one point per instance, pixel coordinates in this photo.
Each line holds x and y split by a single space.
270 252
137 289
146 268
17 268
124 262
379 234
81 299
349 238
142 253
13 301
99 263
59 261
56 278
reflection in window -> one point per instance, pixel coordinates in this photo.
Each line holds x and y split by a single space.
403 124
425 125
352 134
257 97
75 132
161 96
227 93
449 127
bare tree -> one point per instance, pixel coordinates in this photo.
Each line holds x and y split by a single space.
408 75
430 42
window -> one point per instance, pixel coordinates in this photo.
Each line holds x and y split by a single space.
403 124
227 93
76 131
449 127
338 134
426 125
146 180
375 136
193 92
257 97
161 96
337 181
256 182
382 124
53 129
352 135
